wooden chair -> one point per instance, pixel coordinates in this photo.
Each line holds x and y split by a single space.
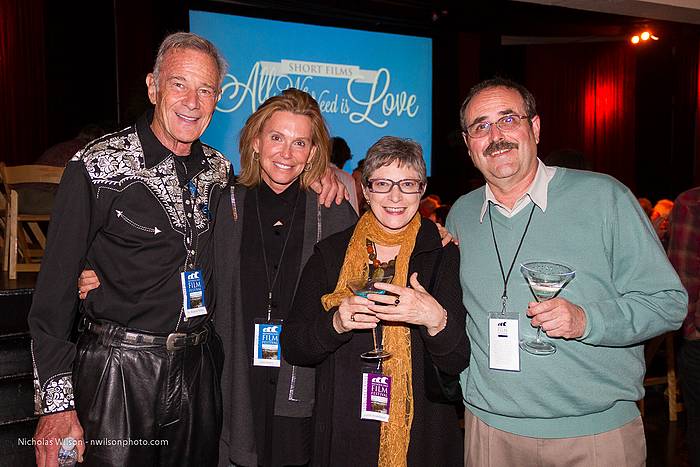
3 217
669 379
24 239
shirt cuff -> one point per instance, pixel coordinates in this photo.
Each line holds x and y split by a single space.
56 395
587 329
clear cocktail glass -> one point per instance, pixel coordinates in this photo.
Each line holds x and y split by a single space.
364 287
546 279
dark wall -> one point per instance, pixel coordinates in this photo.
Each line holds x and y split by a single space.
23 130
98 54
140 27
80 67
665 114
457 67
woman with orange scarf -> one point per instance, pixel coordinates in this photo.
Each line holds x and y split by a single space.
392 422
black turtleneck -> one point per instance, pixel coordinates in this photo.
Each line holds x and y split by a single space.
276 212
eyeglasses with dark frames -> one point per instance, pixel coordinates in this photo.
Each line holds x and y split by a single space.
408 186
506 123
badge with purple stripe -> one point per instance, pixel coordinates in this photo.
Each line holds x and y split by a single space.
376 397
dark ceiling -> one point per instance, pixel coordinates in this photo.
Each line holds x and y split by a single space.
502 17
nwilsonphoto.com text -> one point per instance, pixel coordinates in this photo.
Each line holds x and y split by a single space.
95 442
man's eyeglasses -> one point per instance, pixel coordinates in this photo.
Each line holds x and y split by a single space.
409 186
506 123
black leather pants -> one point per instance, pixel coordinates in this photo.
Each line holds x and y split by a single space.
143 405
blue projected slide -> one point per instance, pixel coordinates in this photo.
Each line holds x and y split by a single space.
368 84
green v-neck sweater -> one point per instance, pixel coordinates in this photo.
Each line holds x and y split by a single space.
624 282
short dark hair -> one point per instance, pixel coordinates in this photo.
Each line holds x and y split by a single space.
498 82
391 148
340 152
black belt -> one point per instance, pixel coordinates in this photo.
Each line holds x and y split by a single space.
120 334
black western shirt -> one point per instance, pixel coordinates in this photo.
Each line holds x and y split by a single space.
138 215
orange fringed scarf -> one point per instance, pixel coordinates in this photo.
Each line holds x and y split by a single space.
396 433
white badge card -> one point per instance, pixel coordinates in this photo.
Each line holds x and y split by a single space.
193 293
266 344
504 337
376 397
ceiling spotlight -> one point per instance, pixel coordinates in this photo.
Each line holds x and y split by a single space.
643 36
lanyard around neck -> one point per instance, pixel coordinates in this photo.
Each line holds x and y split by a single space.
271 285
504 296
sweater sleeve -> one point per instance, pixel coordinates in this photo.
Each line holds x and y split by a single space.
650 298
308 336
449 348
54 303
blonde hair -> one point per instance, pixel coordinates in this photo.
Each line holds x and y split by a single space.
662 208
297 102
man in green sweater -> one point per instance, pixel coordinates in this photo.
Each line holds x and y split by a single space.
576 406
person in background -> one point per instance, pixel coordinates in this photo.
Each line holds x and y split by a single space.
340 154
441 214
38 198
266 233
577 406
660 219
431 208
357 176
423 316
646 205
59 154
684 253
428 205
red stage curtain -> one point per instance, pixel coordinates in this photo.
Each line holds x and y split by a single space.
585 97
22 81
696 165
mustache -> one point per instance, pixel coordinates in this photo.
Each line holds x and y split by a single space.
499 146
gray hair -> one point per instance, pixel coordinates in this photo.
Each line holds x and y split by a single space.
528 98
188 40
391 148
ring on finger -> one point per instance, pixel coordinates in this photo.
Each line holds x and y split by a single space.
397 301
352 317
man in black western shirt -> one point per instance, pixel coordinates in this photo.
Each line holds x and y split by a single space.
141 386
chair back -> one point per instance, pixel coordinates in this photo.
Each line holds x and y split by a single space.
18 174
17 226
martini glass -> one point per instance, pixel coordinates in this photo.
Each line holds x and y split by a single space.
364 287
546 279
